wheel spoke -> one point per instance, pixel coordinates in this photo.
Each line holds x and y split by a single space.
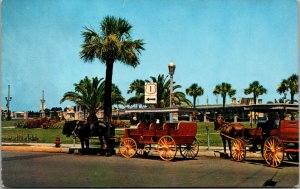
189 151
166 148
273 151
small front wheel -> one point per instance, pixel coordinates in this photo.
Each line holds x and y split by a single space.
166 148
128 147
238 150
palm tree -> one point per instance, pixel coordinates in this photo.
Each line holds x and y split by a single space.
163 92
116 96
194 90
138 86
290 84
256 89
112 44
88 94
223 89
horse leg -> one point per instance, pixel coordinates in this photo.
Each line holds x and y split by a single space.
82 145
108 150
224 144
101 144
87 143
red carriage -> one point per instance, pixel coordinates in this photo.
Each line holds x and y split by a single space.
166 138
275 142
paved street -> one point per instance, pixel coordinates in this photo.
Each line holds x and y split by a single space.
40 169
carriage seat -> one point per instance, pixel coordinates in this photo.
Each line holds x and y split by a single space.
152 129
140 128
184 129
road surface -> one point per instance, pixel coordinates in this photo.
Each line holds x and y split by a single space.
40 169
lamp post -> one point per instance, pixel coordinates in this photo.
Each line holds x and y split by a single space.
8 99
43 105
171 67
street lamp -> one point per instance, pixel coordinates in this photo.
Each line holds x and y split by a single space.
8 99
171 67
43 105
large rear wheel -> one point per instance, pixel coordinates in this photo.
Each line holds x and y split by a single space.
128 147
166 148
273 151
189 151
238 149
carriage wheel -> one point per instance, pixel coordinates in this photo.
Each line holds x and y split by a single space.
128 147
144 150
238 150
189 151
293 156
273 151
166 148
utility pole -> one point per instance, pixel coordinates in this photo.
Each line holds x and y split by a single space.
8 99
43 105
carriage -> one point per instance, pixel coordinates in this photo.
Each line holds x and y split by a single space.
275 142
165 138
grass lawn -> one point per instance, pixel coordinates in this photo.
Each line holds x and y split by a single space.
10 123
19 135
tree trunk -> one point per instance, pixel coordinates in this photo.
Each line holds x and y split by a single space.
107 91
224 101
292 98
194 101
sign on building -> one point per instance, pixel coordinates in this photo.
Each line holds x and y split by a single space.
150 93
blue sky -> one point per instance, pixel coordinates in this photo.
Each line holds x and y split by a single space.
210 41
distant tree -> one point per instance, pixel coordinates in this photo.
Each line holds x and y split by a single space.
56 109
194 90
256 89
163 92
137 86
116 96
223 89
113 43
88 94
291 85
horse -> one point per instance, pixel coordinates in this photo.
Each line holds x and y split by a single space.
228 131
84 130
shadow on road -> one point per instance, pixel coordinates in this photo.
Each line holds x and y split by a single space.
285 163
24 157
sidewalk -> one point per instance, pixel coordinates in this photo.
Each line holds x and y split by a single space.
213 151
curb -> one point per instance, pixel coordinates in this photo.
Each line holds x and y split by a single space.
68 148
35 149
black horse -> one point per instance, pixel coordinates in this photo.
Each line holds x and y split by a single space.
84 130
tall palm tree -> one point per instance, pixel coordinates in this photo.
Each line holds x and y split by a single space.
88 94
255 88
223 89
291 85
138 86
113 43
163 92
194 90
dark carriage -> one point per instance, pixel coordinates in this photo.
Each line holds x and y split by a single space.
275 141
166 139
